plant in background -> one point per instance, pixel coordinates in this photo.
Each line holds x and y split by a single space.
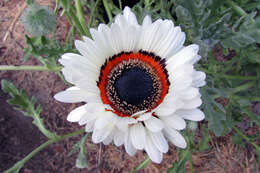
38 20
116 53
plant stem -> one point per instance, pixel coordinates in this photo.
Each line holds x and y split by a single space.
92 14
191 165
57 7
246 138
236 8
70 14
240 77
81 17
108 11
227 76
30 68
120 4
243 87
142 165
20 163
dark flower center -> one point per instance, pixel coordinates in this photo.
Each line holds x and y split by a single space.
133 82
134 86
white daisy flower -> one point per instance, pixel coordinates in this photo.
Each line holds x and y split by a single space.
138 83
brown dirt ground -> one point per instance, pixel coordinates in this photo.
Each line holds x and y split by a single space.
18 136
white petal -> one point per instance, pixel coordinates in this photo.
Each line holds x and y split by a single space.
137 135
193 103
146 22
177 44
116 38
71 96
148 36
85 84
123 122
198 79
89 50
130 16
120 20
145 116
192 114
104 119
185 55
170 104
100 134
131 39
159 141
75 60
174 121
93 111
128 145
189 94
175 137
89 127
102 38
154 154
75 94
119 137
76 114
154 124
137 114
109 138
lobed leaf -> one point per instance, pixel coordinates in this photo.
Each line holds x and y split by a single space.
22 102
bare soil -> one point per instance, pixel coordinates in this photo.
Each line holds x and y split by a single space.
18 136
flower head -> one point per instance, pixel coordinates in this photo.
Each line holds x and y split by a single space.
138 83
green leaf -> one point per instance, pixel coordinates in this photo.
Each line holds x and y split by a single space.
213 116
30 2
253 116
179 167
28 106
81 161
142 165
38 20
204 142
246 34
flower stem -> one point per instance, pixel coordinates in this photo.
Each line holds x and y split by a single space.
236 8
142 165
109 14
247 139
120 4
81 17
92 14
20 163
30 68
72 17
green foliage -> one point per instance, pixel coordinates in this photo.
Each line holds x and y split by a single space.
38 20
47 51
156 9
142 165
215 113
80 146
204 142
179 167
28 106
208 22
246 31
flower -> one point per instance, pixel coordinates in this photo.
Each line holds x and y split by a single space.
138 83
